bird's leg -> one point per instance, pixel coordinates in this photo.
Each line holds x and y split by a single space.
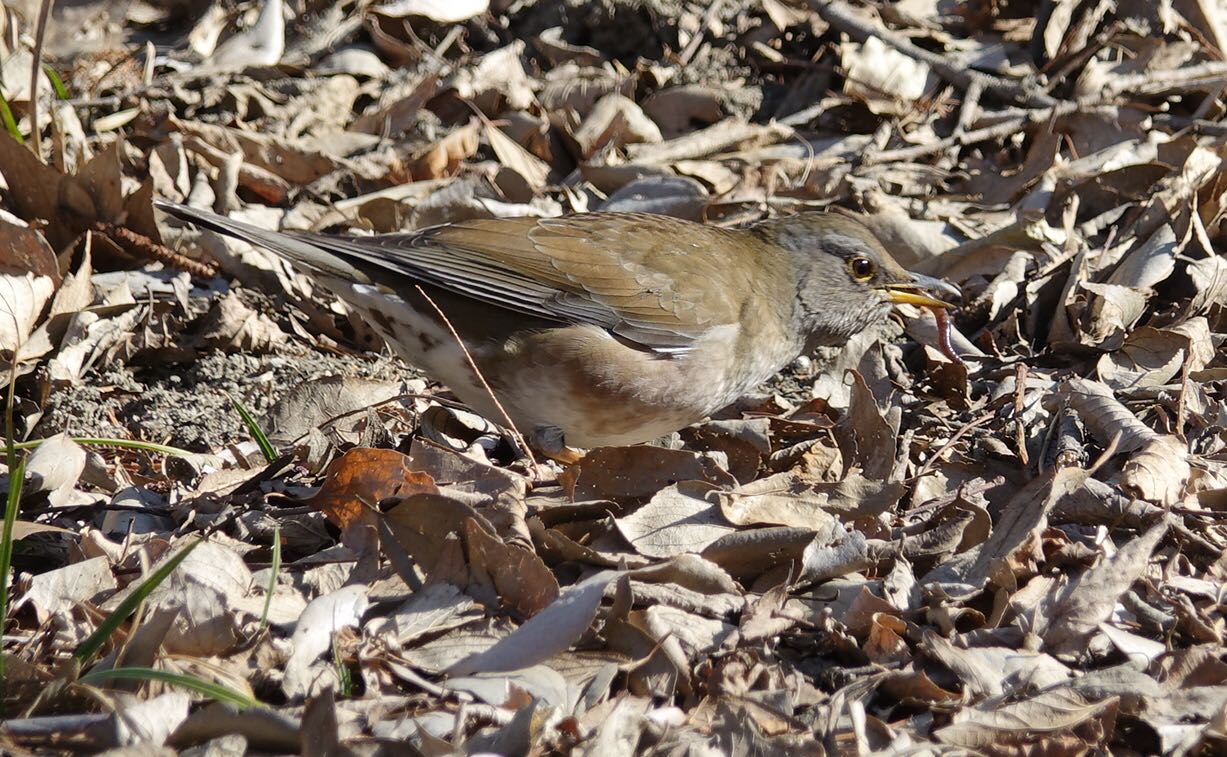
548 440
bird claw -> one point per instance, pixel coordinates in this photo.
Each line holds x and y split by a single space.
548 440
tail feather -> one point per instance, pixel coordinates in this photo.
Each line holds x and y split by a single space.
299 250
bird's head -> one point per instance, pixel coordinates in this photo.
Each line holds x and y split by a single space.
846 280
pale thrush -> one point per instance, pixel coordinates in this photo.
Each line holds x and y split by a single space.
603 328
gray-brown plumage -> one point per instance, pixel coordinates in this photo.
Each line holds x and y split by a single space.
603 329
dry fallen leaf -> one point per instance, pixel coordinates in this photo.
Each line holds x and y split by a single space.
545 634
361 478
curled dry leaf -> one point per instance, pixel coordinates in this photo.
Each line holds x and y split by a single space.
57 592
1158 472
55 464
888 81
445 156
1060 719
635 472
1105 416
696 636
318 401
518 576
1026 512
510 153
615 121
313 634
141 723
1153 357
23 250
22 300
232 325
209 586
794 499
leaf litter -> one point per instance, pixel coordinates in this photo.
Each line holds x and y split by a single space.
996 531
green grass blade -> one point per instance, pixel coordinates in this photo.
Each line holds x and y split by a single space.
10 123
210 689
88 648
61 91
345 680
17 476
272 581
100 441
257 433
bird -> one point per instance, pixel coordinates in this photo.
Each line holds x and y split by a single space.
604 329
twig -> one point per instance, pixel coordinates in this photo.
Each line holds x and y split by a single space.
1020 406
996 131
839 15
1197 126
969 109
928 466
151 249
35 69
695 42
1209 76
477 372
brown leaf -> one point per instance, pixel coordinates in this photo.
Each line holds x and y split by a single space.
788 499
1158 472
534 170
519 576
1026 512
22 300
865 438
614 120
1039 722
1074 613
1105 416
680 518
359 479
444 157
23 250
635 472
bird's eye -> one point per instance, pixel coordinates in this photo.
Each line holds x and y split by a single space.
862 269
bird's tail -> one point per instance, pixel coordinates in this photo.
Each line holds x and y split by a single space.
298 249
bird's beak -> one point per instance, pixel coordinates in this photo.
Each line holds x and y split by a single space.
919 291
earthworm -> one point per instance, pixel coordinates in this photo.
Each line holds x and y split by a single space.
943 334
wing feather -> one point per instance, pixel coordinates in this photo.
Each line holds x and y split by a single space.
654 281
659 282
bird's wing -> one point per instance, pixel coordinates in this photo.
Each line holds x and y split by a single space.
653 281
659 282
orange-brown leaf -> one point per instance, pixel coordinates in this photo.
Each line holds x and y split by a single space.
364 476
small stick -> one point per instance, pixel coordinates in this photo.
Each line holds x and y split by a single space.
477 372
37 68
695 42
152 249
1020 394
928 466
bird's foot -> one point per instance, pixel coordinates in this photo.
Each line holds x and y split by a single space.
548 440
